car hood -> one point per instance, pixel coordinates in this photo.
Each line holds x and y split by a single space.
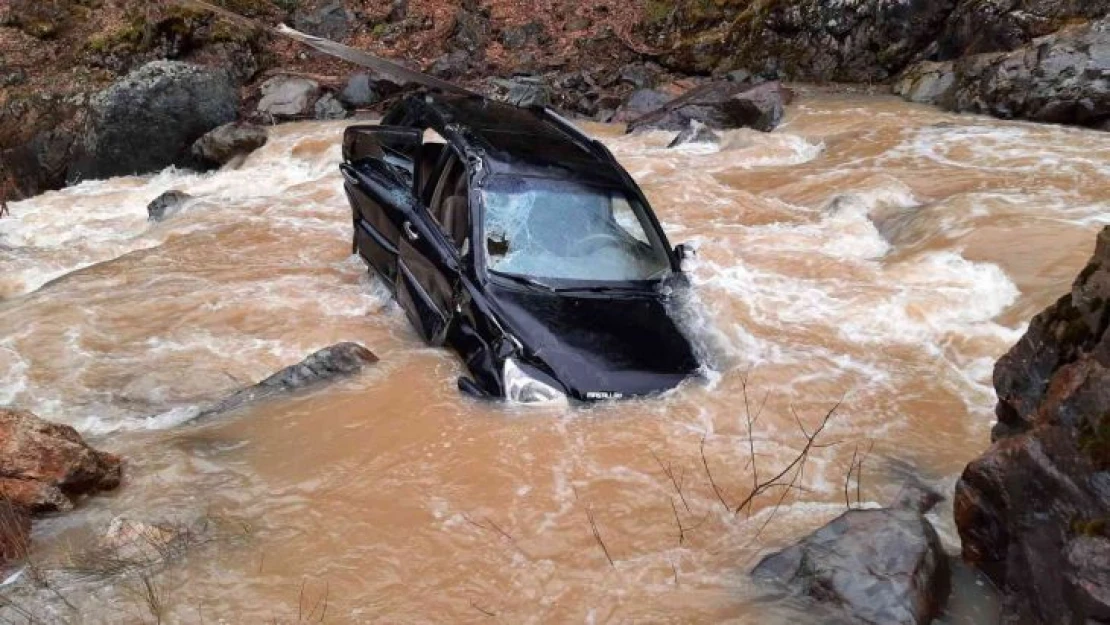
600 345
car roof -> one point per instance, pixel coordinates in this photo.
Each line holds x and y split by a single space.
510 139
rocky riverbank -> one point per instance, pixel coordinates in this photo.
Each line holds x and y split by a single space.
44 468
63 65
1034 510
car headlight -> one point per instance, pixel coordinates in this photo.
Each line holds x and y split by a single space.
522 388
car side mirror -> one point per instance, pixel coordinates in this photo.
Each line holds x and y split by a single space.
686 254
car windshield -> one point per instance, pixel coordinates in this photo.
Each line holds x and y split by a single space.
561 230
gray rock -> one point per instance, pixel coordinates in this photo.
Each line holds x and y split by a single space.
640 103
878 567
332 21
1088 577
167 205
287 96
328 107
398 11
739 75
149 119
359 91
1062 78
451 65
12 76
516 37
472 30
331 363
697 132
721 105
221 145
525 91
639 75
928 83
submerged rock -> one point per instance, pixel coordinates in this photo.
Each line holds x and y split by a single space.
148 120
1033 511
721 105
45 466
697 132
221 145
287 97
166 205
879 567
337 361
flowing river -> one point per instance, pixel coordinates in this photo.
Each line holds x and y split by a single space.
870 255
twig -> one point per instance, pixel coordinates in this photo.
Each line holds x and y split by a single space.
668 470
848 478
479 608
800 458
597 537
678 522
709 474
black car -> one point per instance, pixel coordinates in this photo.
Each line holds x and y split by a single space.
521 243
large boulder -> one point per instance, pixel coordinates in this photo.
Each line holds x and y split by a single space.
45 466
222 144
876 567
1062 78
721 105
334 362
980 26
149 119
1033 512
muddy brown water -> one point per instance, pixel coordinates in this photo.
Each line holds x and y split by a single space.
869 252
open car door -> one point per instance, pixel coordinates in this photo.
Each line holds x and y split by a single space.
378 164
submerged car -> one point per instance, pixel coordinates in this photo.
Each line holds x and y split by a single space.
516 240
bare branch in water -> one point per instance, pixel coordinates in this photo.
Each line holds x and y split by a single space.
751 436
678 522
848 477
597 536
856 466
668 470
799 460
709 474
479 608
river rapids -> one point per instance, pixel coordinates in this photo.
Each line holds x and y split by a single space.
870 256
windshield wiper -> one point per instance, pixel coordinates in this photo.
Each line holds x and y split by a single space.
525 280
600 289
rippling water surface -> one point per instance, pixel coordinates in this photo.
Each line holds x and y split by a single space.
868 252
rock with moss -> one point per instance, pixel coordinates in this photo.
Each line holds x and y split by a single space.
1033 512
148 120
